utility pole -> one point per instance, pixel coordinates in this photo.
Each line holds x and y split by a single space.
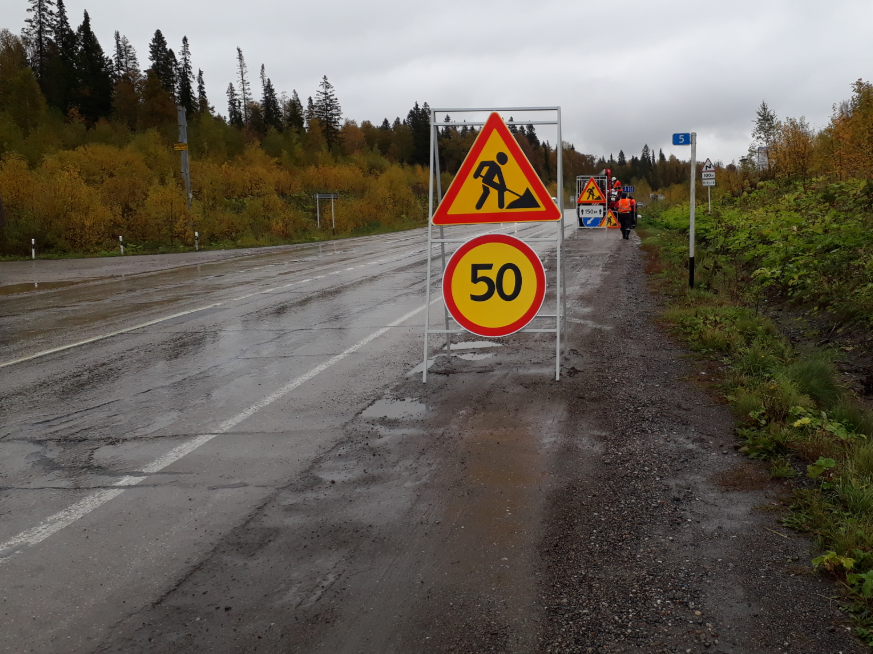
182 147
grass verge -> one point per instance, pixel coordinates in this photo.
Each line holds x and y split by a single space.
792 411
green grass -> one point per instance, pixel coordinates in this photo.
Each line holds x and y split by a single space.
792 410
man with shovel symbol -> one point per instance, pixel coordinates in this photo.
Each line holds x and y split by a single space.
492 178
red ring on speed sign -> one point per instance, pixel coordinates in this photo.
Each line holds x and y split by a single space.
476 280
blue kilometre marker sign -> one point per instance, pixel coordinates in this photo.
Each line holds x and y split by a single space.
682 139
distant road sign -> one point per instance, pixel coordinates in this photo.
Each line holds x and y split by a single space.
709 182
180 147
627 189
706 175
683 138
591 194
494 285
708 167
591 215
326 196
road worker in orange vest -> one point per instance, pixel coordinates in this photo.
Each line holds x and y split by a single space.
625 215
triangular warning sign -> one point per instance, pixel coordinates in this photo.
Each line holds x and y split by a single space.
611 220
591 194
708 167
495 184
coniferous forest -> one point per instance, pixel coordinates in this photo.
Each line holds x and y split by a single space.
86 149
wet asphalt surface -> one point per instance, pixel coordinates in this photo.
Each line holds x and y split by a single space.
491 510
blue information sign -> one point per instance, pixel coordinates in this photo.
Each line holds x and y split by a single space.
627 189
682 139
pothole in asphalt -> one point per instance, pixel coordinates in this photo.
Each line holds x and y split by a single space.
472 345
405 408
474 356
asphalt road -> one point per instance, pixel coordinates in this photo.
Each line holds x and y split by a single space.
145 419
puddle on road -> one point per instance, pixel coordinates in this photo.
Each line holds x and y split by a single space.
13 289
395 409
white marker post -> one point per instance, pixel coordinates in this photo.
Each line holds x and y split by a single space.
33 248
121 244
196 241
691 223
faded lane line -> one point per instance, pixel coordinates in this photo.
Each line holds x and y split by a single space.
83 507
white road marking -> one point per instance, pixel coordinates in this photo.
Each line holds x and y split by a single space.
103 336
83 507
183 313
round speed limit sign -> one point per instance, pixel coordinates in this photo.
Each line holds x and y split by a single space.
494 285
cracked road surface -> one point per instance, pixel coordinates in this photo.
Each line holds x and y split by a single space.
240 456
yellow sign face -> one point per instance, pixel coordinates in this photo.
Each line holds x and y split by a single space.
180 146
611 220
591 193
494 285
496 183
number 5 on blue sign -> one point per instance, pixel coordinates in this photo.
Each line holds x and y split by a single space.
682 139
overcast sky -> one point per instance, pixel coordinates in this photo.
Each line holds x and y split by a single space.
624 74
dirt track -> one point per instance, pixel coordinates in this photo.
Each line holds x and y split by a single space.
605 513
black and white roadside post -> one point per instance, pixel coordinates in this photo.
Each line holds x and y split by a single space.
687 138
707 174
197 241
121 244
326 196
33 248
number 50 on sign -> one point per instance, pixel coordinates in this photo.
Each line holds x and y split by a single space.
494 285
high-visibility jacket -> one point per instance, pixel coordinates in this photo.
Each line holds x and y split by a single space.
624 206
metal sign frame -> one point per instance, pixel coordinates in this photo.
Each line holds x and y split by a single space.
326 196
581 181
435 184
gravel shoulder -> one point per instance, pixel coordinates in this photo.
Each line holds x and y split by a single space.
672 543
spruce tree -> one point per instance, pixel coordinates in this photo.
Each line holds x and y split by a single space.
245 89
766 125
385 125
38 35
328 111
234 111
294 119
124 60
60 77
512 127
163 62
94 91
202 100
531 134
418 121
185 79
309 114
661 157
622 160
270 103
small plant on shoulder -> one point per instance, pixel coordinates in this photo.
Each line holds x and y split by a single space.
781 468
809 423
